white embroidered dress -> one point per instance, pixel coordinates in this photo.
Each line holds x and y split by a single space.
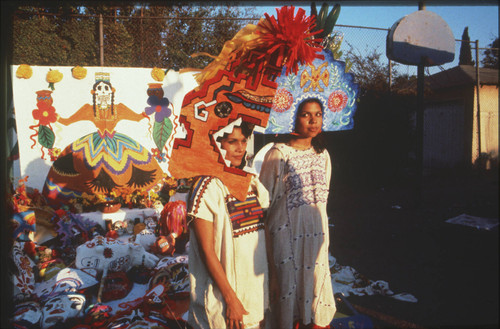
298 184
239 240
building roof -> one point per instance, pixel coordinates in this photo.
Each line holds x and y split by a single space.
462 75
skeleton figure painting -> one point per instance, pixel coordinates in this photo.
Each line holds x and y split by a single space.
104 161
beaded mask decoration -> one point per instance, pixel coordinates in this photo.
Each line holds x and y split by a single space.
325 80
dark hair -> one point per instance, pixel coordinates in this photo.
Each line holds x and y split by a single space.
317 142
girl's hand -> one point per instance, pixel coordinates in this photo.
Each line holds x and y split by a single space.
234 314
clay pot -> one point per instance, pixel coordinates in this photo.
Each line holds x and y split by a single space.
155 89
44 96
109 207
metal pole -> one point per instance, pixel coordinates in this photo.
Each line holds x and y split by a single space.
101 40
478 114
419 129
390 75
142 34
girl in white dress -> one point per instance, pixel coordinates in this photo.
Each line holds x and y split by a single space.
227 255
297 176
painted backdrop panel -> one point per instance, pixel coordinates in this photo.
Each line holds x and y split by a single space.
39 146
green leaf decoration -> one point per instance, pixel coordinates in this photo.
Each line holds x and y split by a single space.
331 20
46 137
314 11
320 20
161 132
348 65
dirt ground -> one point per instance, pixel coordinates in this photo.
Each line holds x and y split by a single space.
385 234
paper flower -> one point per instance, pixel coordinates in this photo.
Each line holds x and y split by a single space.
159 107
24 71
79 72
54 153
157 74
52 77
45 113
290 37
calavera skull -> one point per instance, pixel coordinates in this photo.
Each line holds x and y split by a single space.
27 314
120 227
59 309
150 223
102 93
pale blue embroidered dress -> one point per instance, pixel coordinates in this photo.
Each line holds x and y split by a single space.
298 184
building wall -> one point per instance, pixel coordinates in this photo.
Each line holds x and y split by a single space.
451 129
444 134
488 107
448 128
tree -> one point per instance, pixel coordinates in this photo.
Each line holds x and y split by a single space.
490 59
134 35
465 49
197 29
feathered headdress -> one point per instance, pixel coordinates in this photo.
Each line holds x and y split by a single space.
239 85
286 40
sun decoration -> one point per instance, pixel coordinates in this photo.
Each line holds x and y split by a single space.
283 100
24 71
337 100
79 72
52 77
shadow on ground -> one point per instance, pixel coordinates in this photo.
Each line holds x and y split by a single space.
386 234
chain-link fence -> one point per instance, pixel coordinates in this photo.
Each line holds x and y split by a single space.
168 41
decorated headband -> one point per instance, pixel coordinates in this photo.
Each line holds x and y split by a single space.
239 86
325 80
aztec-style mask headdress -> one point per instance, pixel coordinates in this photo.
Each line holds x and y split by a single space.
239 86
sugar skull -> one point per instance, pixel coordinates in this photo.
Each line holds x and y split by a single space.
115 255
26 315
151 223
120 227
59 309
146 238
68 280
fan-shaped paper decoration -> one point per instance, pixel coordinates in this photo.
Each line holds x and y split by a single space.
324 79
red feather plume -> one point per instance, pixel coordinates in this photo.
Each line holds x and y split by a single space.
290 38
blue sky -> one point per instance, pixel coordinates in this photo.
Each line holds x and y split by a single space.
482 21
